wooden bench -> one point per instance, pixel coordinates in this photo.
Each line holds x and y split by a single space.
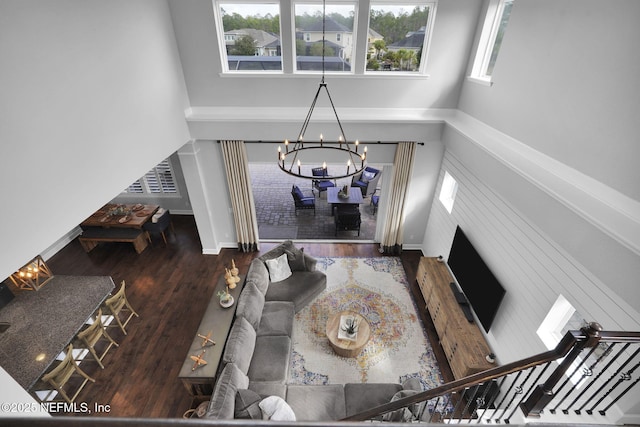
91 236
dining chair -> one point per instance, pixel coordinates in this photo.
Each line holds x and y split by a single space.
118 303
92 335
161 225
62 375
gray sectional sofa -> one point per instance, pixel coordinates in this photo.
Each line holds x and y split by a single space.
257 354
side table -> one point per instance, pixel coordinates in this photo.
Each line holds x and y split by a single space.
216 320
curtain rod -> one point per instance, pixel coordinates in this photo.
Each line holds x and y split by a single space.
326 142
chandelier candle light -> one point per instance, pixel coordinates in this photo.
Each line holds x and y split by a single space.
290 157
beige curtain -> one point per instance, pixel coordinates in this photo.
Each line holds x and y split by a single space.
392 235
239 181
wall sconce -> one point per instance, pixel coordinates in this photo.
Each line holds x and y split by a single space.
33 276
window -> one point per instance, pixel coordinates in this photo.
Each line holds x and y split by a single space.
398 36
159 180
249 29
448 191
338 36
495 25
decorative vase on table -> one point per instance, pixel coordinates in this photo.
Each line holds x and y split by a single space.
226 299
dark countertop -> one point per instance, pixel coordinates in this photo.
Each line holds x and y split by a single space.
43 323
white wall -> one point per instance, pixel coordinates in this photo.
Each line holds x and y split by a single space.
566 83
92 97
453 33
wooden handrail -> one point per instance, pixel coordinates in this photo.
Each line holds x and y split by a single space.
571 344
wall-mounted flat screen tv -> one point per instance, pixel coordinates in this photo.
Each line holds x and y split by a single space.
480 286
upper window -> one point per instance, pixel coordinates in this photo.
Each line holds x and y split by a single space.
493 31
251 34
338 35
448 191
159 180
398 36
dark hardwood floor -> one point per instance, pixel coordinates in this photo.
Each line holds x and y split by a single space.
170 287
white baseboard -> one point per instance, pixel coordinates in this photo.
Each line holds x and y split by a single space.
61 243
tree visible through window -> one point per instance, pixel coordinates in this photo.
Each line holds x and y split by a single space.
493 32
397 38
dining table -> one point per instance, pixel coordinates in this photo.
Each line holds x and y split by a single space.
121 215
333 198
41 324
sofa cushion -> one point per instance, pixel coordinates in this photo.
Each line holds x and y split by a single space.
270 360
265 389
403 415
317 402
222 403
277 318
247 405
250 304
301 288
240 344
274 408
259 275
360 397
278 268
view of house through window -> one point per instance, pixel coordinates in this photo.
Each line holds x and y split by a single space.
338 36
251 36
397 36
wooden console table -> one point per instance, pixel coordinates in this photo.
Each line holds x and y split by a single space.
463 342
216 321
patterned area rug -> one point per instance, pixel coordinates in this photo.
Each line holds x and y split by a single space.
376 288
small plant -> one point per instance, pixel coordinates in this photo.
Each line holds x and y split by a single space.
224 295
350 326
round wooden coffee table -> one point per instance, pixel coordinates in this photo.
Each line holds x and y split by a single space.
345 347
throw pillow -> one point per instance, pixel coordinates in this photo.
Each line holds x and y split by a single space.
295 256
278 268
367 176
276 409
247 405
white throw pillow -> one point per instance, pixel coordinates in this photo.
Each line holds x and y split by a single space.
276 409
278 268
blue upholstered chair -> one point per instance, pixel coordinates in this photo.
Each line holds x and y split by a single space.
375 200
301 201
158 227
347 217
367 180
321 183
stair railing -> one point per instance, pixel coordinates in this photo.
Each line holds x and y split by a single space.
530 385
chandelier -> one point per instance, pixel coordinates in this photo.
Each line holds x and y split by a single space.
289 159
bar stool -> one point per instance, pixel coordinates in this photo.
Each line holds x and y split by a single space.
95 333
118 303
61 375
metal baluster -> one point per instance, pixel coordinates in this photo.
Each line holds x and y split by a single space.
585 374
566 410
444 409
615 374
488 405
481 400
435 409
469 401
507 394
460 400
533 384
604 411
626 376
518 390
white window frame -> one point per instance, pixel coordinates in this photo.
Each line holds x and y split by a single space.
426 45
487 41
448 191
221 36
146 188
